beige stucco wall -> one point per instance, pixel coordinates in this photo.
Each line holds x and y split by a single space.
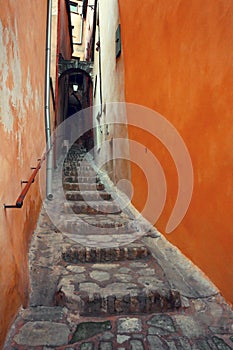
110 74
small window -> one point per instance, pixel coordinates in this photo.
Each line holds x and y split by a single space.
73 7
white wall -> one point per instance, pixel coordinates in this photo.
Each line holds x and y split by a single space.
110 74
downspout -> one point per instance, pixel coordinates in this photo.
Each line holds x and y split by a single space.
49 163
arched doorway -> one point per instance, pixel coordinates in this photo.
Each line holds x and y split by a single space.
76 94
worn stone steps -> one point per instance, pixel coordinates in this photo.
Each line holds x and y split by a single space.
81 179
79 172
87 196
79 254
70 165
116 287
106 274
96 207
89 295
73 164
75 186
84 224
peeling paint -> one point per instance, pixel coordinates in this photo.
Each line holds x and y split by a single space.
29 94
11 99
6 116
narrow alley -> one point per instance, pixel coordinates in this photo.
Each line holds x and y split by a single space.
91 290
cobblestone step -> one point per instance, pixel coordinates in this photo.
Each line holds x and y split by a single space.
73 164
81 207
81 179
75 186
83 224
87 196
115 288
79 172
78 254
74 159
77 165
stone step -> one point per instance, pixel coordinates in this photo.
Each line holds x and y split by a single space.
74 158
87 196
79 254
101 221
74 186
81 179
78 166
128 287
79 173
81 207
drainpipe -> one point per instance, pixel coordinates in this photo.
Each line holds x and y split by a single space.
49 163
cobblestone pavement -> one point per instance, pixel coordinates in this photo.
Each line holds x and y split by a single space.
111 295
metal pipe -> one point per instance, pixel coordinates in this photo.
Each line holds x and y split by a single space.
49 167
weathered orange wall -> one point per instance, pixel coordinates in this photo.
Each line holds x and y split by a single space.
64 34
22 60
178 61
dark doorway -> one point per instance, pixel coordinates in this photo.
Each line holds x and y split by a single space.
75 95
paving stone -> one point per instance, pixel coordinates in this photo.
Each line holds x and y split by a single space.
199 305
215 309
171 345
156 331
76 269
139 264
156 343
122 338
201 344
136 345
100 275
107 336
43 313
184 344
189 326
87 346
147 272
138 336
105 346
184 302
164 323
124 270
129 325
87 330
220 343
123 277
43 333
224 329
151 282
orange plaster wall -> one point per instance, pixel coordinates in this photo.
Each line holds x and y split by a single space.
23 33
178 61
64 37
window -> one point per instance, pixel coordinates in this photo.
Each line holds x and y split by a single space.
73 7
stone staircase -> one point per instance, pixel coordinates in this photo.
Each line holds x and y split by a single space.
121 277
101 281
